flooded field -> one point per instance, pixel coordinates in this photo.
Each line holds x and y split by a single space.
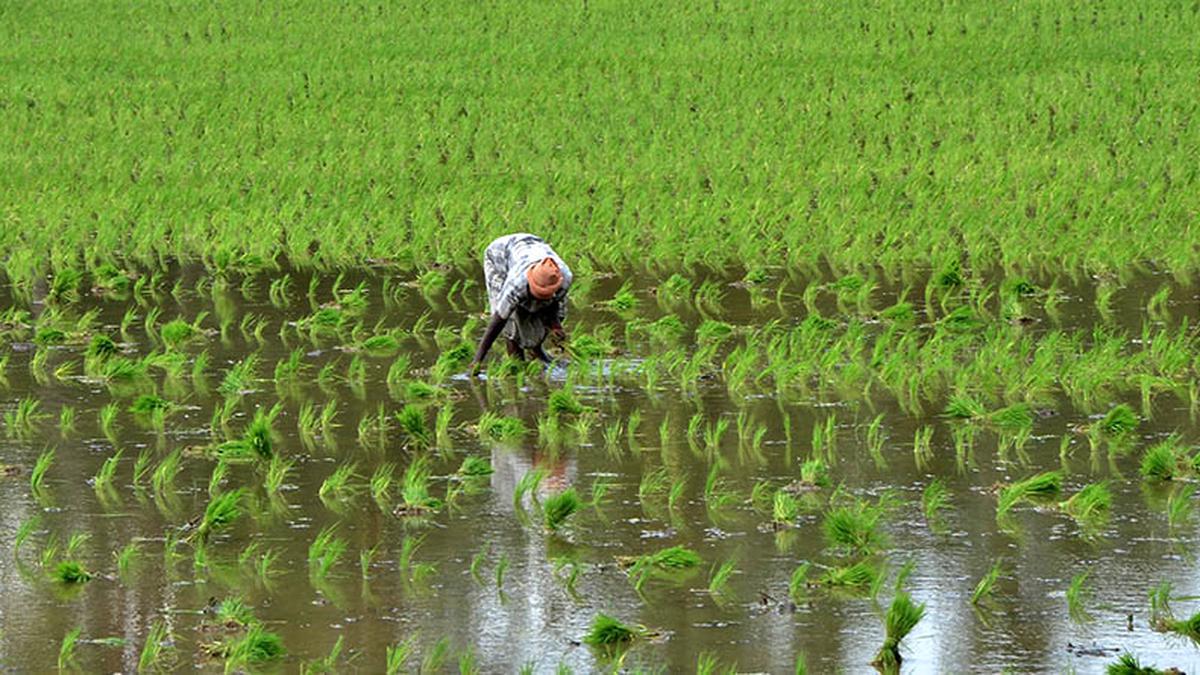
303 457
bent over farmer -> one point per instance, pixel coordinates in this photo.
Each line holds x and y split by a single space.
527 292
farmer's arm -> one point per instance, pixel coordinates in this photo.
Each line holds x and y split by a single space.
485 343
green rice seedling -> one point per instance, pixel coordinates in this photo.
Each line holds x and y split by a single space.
1179 506
233 611
1092 502
24 531
986 586
1118 422
501 569
1015 417
965 407
855 528
326 664
416 390
607 631
875 440
66 650
163 479
240 378
497 428
785 508
664 563
157 650
412 422
71 572
934 500
798 583
814 473
718 579
277 472
176 332
442 424
108 419
257 646
264 566
475 467
381 483
324 552
398 655
1079 595
147 404
415 492
66 420
557 507
1043 485
127 557
452 361
25 418
527 485
141 466
1162 461
861 574
104 476
75 542
903 615
467 664
37 477
221 512
435 658
922 446
1127 664
366 557
563 402
338 484
675 494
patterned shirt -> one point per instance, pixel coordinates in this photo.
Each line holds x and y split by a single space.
504 265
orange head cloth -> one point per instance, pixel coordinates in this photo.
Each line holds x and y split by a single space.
544 279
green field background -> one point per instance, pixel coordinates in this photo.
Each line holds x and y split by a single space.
1036 136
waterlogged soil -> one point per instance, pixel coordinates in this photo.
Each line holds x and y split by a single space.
488 578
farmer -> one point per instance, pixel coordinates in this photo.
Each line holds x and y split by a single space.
527 292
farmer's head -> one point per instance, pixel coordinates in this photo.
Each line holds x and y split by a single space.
545 278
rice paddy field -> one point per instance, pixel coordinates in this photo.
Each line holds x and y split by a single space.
882 351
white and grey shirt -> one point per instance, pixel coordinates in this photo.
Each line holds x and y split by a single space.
504 265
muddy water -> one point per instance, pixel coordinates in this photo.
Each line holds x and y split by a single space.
536 617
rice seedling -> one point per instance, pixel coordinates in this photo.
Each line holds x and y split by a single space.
785 508
398 655
338 484
986 586
327 663
277 472
221 512
903 615
66 420
24 531
23 420
157 650
127 557
163 478
854 528
324 552
815 473
1091 503
104 476
71 572
1118 421
860 575
559 506
718 579
1079 595
934 500
381 483
563 402
413 423
141 466
257 646
500 429
415 491
1128 664
1180 506
240 378
501 569
1162 461
66 650
607 631
37 477
1043 485
435 658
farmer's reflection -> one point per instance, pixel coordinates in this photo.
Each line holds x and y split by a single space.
511 464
